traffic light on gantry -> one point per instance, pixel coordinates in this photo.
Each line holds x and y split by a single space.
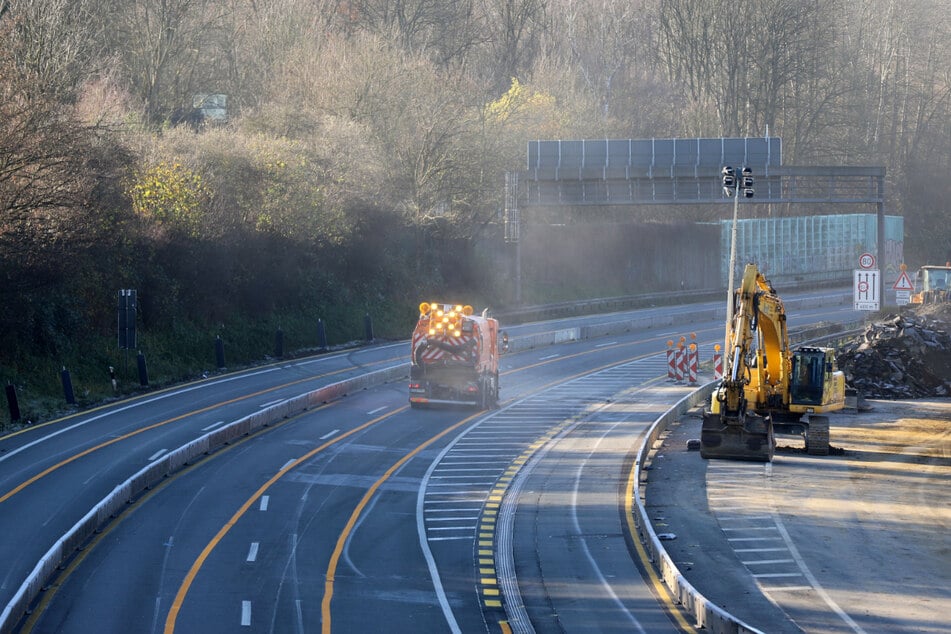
729 180
746 181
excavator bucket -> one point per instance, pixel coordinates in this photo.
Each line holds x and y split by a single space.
751 439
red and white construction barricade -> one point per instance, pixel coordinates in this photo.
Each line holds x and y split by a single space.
693 362
671 362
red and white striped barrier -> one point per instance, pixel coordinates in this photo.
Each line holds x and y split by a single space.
717 362
671 367
693 362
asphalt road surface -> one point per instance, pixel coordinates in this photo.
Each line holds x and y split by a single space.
363 515
854 542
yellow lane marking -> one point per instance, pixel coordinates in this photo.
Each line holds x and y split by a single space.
137 504
657 584
355 515
39 476
197 565
348 528
251 372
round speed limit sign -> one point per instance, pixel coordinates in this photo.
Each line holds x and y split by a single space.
867 260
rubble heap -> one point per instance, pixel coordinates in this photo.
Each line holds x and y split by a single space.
901 356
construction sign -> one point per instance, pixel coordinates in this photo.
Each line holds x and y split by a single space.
904 283
865 290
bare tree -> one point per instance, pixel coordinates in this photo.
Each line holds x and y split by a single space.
514 30
444 30
742 60
60 42
172 50
609 42
44 181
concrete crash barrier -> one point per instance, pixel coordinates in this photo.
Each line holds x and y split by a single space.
542 339
706 614
110 506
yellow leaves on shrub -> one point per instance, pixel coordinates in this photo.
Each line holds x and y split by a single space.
170 195
520 99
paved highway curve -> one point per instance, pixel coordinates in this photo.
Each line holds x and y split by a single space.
334 517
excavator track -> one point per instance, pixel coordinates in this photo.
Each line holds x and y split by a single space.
752 440
817 436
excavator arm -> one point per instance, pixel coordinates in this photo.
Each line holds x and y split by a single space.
755 369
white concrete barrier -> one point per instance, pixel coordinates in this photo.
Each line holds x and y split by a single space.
110 506
706 615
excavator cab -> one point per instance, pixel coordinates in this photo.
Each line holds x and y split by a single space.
816 385
806 381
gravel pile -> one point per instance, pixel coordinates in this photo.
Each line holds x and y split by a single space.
901 356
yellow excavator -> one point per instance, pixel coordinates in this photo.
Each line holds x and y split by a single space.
766 387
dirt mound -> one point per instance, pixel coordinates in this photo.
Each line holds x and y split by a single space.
905 355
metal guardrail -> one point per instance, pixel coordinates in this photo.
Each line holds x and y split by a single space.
541 312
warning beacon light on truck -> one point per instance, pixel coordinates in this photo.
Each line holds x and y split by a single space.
444 319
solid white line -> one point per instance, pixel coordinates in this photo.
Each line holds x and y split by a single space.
246 613
487 455
768 561
424 538
604 345
378 409
472 469
461 461
469 509
264 501
740 518
813 581
329 434
253 551
119 410
477 500
551 356
757 550
774 575
158 453
788 588
269 403
584 542
213 425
